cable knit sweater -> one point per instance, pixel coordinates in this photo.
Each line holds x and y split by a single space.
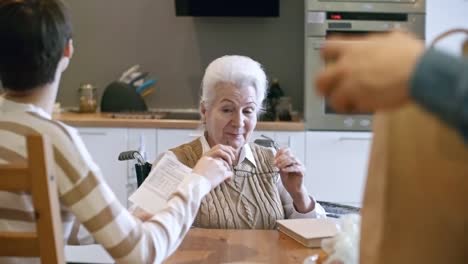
250 200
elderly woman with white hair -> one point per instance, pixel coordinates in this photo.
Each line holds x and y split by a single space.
267 184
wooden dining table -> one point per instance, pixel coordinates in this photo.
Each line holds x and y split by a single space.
240 246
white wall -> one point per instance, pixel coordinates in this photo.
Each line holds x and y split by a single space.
443 15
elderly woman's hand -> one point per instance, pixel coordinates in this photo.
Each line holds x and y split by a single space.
224 152
291 170
292 176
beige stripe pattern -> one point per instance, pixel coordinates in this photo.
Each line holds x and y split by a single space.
66 166
103 218
59 157
58 125
127 245
17 215
80 191
11 156
29 216
17 128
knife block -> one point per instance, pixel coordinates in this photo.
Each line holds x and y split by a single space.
122 97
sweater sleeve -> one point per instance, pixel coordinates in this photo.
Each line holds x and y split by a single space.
288 204
289 209
440 84
126 238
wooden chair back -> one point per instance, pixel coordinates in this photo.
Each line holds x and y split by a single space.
35 177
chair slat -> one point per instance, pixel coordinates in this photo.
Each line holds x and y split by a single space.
15 177
45 199
35 177
23 244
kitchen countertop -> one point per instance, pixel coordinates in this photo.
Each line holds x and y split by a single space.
104 120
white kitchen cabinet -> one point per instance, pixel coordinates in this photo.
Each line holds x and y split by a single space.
295 140
170 138
105 145
336 165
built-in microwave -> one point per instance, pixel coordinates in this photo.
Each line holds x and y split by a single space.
321 24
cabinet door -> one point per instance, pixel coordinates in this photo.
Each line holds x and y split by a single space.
293 140
337 165
105 145
169 138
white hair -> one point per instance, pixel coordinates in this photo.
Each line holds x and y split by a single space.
241 71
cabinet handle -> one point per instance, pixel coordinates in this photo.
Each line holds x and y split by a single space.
93 133
317 48
354 138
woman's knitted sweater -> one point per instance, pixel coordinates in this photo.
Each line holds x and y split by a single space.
250 200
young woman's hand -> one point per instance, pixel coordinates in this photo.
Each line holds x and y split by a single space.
370 73
141 214
215 170
225 152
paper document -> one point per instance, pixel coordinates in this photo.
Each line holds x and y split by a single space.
163 180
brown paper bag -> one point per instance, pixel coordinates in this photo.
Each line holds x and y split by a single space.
416 199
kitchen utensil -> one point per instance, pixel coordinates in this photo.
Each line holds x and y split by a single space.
147 92
145 85
139 77
122 97
128 72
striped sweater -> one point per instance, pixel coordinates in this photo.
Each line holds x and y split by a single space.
86 198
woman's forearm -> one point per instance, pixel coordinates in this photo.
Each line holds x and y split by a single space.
302 202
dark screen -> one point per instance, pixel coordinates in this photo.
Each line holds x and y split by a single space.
259 8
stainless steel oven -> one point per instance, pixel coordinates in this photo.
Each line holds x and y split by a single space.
351 17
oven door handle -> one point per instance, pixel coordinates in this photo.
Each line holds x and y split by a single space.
355 138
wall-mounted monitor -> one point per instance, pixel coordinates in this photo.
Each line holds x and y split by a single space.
239 8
